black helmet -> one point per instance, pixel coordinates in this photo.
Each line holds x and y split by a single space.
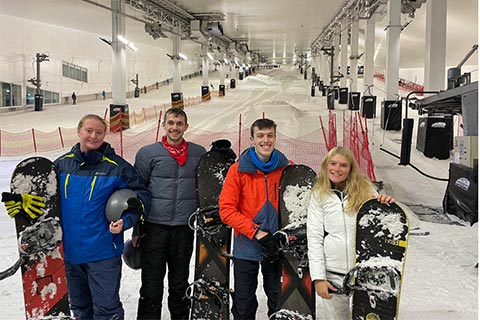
131 255
117 204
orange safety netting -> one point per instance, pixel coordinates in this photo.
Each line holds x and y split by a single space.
302 150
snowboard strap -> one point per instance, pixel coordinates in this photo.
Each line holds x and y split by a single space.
13 269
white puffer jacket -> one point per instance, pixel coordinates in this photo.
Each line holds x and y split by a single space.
330 235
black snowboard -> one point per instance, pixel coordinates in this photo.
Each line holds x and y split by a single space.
40 241
380 250
210 290
296 294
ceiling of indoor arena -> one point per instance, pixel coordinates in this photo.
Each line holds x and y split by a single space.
271 30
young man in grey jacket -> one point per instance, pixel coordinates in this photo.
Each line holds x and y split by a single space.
167 168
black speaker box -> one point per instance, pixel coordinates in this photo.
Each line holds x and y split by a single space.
343 96
369 106
435 136
354 101
391 115
336 90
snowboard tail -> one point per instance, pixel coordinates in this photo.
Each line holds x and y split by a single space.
296 294
210 290
380 251
40 242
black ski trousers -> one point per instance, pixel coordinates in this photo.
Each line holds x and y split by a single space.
163 246
245 274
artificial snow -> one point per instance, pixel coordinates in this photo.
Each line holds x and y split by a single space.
296 202
388 221
440 281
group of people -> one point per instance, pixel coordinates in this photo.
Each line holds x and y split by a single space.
163 178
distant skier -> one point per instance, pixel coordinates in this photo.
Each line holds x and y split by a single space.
74 98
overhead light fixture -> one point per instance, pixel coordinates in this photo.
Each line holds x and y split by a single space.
210 55
184 57
226 61
132 46
125 41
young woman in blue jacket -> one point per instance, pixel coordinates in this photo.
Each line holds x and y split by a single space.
88 175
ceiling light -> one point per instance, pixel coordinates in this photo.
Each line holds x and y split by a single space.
125 41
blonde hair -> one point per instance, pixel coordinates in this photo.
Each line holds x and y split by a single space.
357 186
91 117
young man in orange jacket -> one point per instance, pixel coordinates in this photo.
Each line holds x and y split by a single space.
249 204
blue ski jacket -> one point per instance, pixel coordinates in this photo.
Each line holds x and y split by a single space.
86 183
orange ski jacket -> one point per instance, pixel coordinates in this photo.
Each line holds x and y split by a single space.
248 202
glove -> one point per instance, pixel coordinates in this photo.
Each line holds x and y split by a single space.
31 204
270 247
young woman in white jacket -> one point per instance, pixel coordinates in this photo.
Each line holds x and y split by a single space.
339 191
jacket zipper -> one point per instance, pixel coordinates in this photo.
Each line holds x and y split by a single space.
345 231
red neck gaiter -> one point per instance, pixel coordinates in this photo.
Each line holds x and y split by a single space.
179 153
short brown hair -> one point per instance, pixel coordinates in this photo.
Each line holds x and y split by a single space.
263 123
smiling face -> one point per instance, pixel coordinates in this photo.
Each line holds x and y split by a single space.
174 126
338 169
91 134
263 141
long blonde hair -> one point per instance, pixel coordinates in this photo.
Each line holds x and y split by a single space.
357 186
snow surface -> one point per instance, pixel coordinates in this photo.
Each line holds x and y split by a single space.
440 280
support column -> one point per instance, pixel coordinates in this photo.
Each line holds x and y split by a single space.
205 65
354 54
176 95
344 53
369 52
336 51
177 78
435 45
119 86
205 85
222 67
393 49
119 113
221 86
325 69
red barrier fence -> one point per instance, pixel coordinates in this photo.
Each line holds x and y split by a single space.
302 150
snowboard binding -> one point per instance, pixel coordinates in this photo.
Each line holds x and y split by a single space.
203 290
43 236
294 241
208 222
380 282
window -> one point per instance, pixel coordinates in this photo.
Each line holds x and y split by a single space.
72 71
48 96
10 94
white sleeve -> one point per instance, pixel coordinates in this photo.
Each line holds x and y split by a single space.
315 233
